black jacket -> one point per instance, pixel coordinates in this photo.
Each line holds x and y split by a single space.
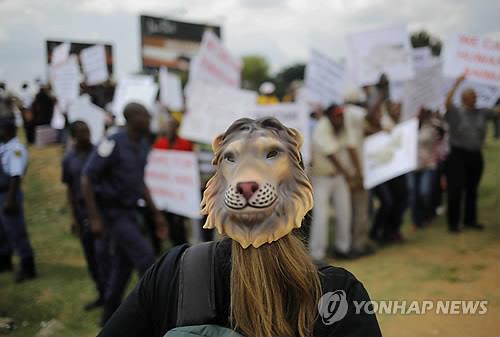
150 309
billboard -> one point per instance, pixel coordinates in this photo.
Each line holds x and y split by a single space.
170 43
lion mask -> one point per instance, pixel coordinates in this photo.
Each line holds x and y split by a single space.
260 191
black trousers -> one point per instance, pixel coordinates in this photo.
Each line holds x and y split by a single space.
464 170
393 197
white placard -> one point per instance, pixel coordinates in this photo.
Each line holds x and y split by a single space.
389 155
211 109
214 64
292 115
425 90
133 89
386 50
422 57
65 79
478 57
94 64
95 117
58 122
325 80
174 181
170 90
60 54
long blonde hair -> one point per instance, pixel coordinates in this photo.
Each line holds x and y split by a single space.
275 289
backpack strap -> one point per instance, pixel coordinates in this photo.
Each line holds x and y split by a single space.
196 299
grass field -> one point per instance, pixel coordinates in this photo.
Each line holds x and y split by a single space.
432 265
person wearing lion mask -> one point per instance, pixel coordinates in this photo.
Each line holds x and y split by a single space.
258 280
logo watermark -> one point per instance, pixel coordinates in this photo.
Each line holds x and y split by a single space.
333 307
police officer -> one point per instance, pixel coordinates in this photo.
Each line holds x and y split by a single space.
112 183
13 161
72 166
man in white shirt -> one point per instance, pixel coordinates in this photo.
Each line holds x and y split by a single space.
336 172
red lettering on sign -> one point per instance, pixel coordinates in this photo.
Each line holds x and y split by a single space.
469 40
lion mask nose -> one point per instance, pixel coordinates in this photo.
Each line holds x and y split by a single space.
247 188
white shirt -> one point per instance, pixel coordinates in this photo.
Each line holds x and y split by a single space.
14 158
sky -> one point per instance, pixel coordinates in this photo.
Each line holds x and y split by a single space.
283 31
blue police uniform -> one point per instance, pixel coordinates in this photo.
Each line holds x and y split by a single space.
72 167
13 162
116 169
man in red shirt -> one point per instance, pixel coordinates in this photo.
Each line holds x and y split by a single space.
169 139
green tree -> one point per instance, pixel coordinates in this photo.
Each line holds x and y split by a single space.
255 71
286 76
424 39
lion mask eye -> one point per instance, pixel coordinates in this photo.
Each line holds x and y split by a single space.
229 156
272 154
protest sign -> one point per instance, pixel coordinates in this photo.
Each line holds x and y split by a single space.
94 65
133 89
210 110
386 50
60 54
324 80
214 64
389 155
84 110
170 90
425 90
174 181
292 115
65 79
478 58
422 57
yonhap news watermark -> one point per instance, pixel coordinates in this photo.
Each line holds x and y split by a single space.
334 306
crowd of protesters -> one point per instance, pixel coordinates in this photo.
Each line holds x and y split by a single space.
450 164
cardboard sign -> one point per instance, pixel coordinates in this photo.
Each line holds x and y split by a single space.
60 54
65 79
94 64
84 110
133 89
422 57
389 155
174 181
478 57
380 51
324 80
210 110
292 115
214 64
425 90
170 90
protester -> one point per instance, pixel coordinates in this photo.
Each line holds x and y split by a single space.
355 120
112 184
72 166
467 131
333 177
267 96
26 96
259 284
43 106
383 115
7 102
13 163
421 181
170 140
